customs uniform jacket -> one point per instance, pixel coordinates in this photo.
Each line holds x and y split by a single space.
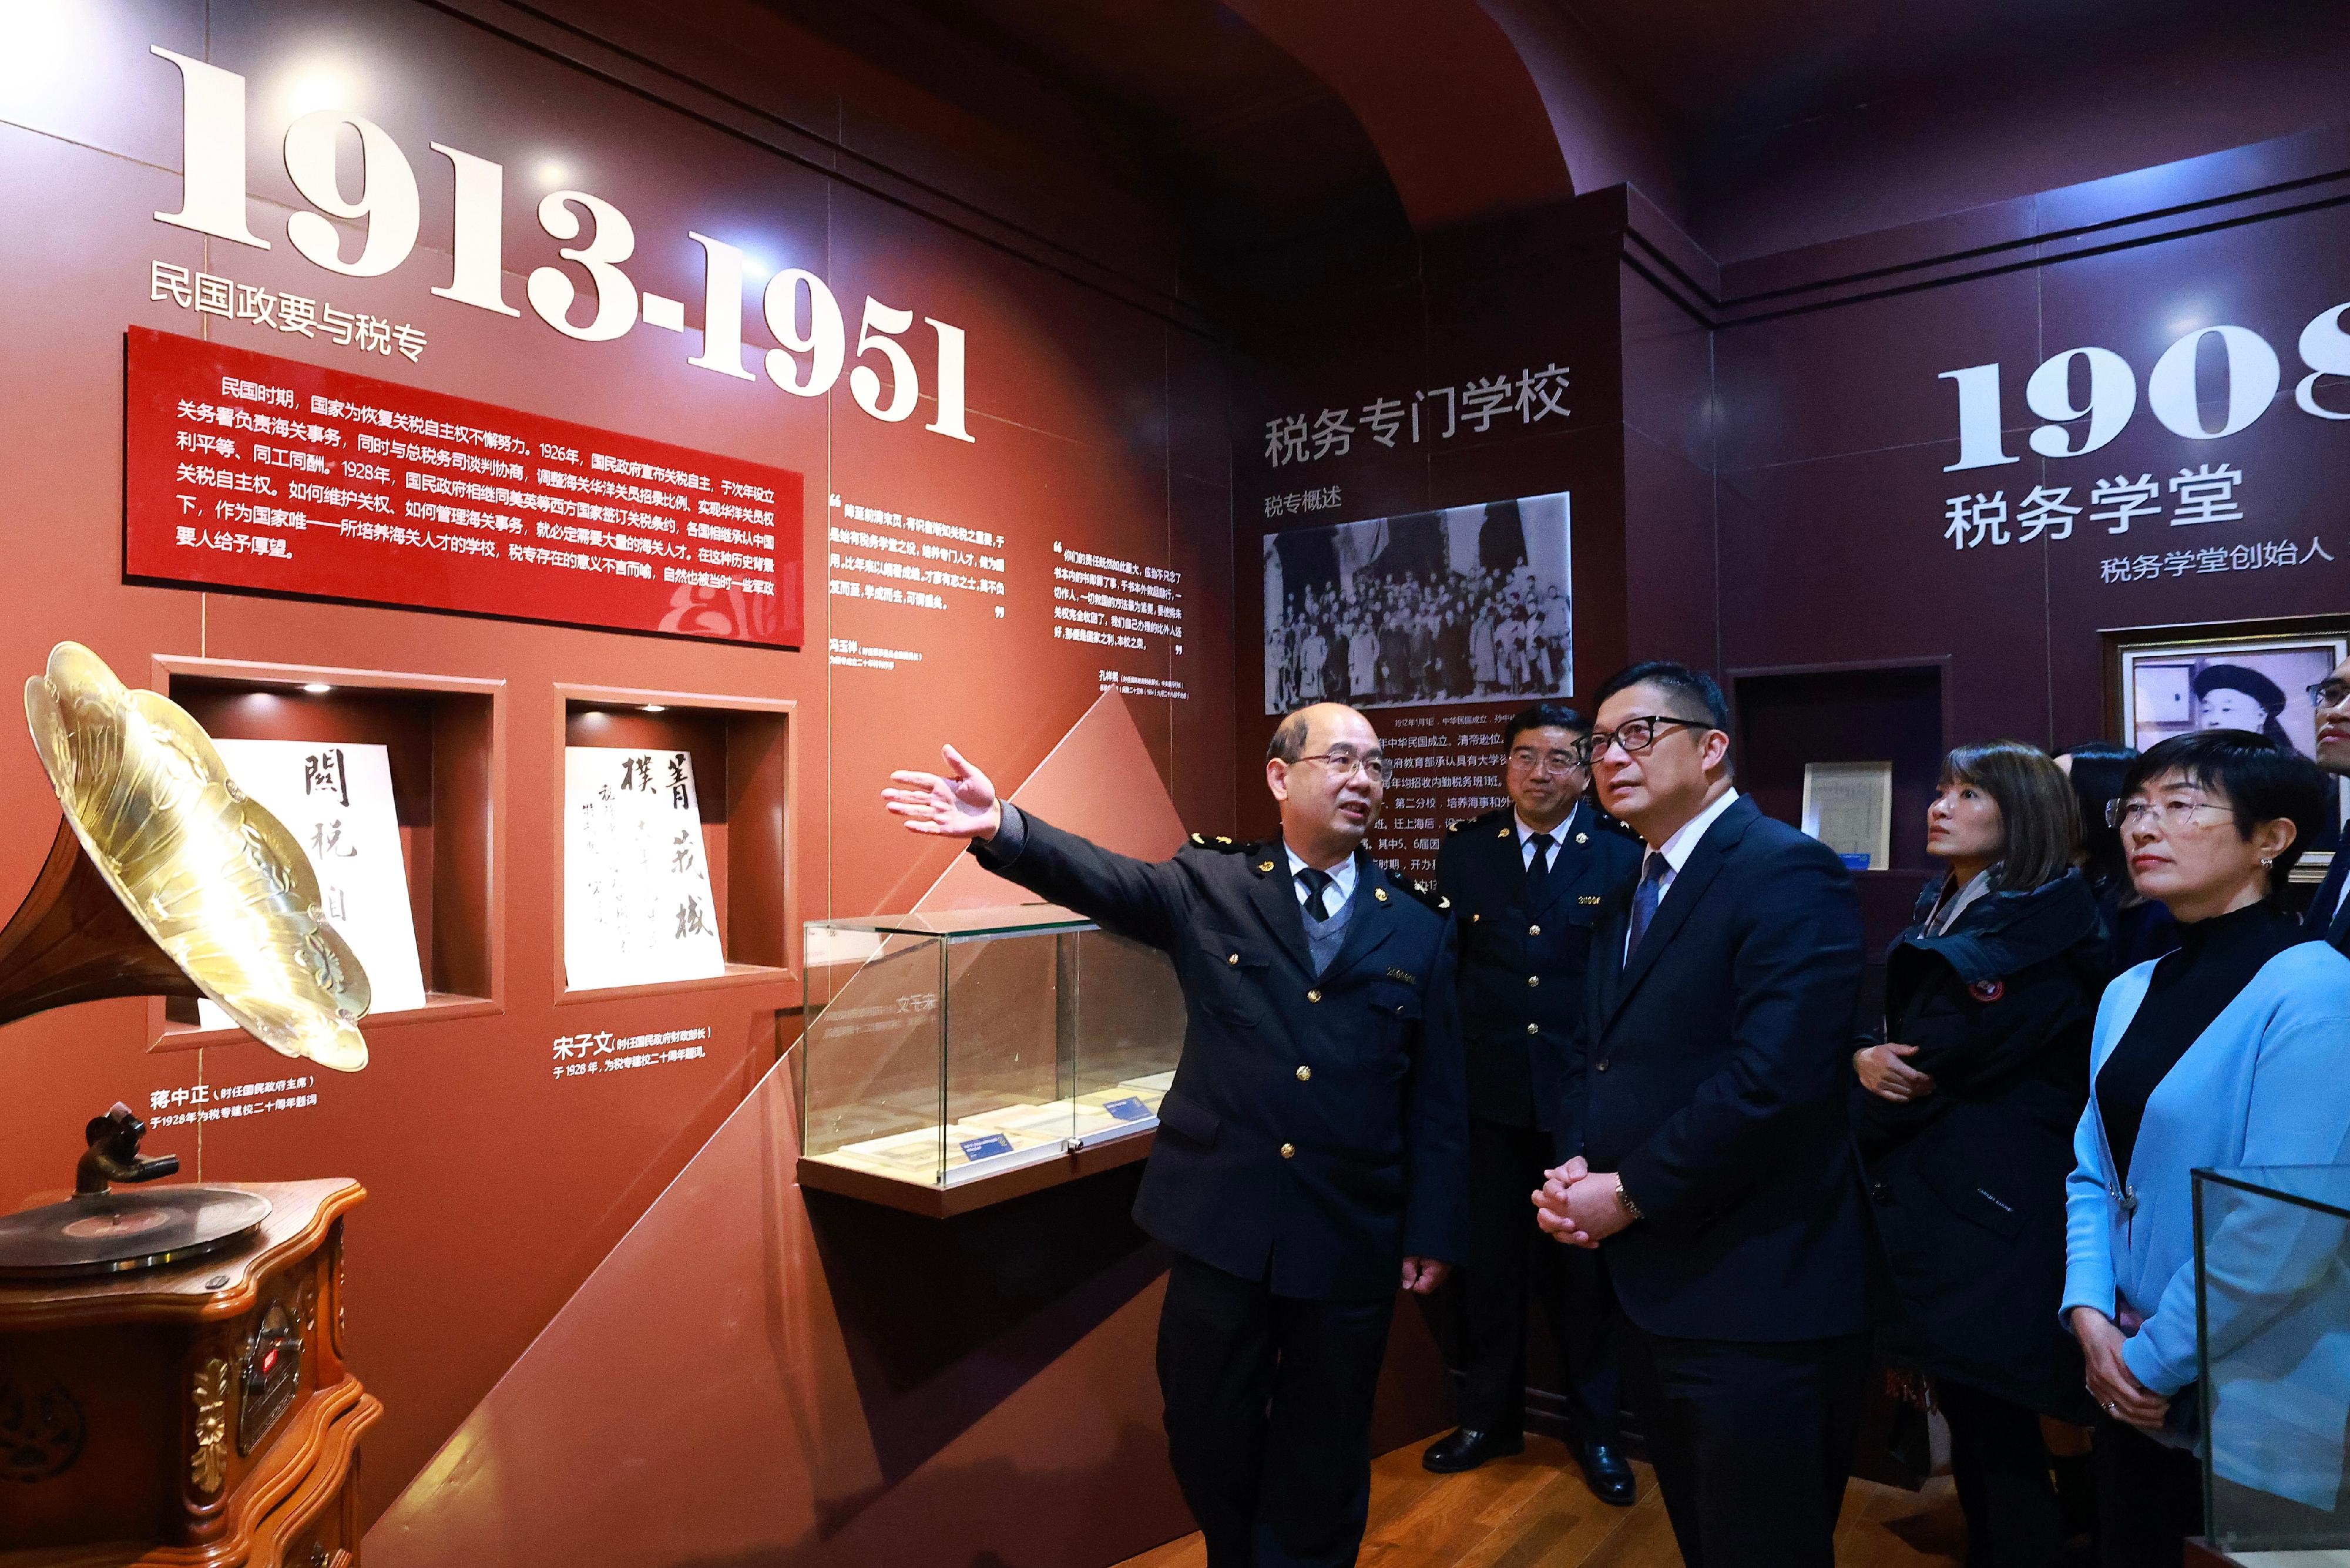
1316 1133
1516 1033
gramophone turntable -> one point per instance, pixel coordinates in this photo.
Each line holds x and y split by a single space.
171 1383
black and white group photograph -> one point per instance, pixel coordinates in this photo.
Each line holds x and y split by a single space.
1472 603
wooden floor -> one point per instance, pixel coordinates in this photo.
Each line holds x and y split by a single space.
1534 1511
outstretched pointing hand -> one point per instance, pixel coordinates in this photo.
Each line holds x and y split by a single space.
960 804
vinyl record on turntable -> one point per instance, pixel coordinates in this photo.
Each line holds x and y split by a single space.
111 1232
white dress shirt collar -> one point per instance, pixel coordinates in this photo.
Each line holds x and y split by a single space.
1684 841
1342 878
1557 835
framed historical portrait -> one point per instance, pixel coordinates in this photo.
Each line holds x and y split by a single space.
2176 685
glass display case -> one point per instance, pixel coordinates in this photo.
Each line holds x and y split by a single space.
2272 1287
942 1050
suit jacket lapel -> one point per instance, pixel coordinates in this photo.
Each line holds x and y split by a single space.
2330 902
1275 898
1689 885
1371 920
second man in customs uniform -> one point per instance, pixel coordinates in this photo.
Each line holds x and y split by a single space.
1526 883
1310 1154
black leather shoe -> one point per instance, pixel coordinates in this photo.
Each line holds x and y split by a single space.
1609 1472
1466 1449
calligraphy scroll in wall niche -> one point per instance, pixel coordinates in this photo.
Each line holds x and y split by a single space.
681 878
336 798
637 907
439 737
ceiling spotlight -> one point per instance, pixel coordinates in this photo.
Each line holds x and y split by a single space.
316 688
656 708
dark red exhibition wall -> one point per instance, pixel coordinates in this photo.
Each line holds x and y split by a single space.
1495 297
1757 455
1835 430
1095 411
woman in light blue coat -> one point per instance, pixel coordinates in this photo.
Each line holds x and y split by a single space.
2232 1050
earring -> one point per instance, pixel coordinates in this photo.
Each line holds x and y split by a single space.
2268 862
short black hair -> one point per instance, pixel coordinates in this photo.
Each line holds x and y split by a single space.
1693 687
1542 716
2263 779
2099 769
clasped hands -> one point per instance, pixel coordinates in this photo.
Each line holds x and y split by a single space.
1578 1206
2111 1381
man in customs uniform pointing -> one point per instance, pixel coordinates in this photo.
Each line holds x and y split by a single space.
1311 1153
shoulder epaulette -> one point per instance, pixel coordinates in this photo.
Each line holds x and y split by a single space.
1218 842
1427 894
1466 823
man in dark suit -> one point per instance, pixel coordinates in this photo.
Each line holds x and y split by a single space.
2329 913
1526 882
1311 1152
1712 1161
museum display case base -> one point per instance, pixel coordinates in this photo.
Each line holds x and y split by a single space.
2201 1554
985 1186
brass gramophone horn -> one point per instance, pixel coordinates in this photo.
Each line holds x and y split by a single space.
165 879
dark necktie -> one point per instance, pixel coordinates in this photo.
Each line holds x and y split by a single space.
1644 899
1317 892
1538 870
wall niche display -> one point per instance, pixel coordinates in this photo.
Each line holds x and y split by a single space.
439 740
700 867
1849 807
636 902
1470 604
336 798
958 1057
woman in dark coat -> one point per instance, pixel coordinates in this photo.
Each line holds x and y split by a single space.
1965 1116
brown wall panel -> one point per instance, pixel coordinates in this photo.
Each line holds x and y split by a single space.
496 1188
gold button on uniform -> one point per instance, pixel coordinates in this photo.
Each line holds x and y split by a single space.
1313 996
1289 1151
1305 1074
1235 958
1534 980
1601 1065
1534 1028
1533 930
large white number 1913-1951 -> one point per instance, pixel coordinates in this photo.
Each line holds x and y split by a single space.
2253 374
799 307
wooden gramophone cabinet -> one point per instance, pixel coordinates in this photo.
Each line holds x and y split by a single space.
196 1414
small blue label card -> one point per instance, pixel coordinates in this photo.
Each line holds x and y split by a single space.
978 1148
1129 1109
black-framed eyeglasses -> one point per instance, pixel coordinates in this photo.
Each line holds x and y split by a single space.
1345 763
1526 760
1634 734
2329 693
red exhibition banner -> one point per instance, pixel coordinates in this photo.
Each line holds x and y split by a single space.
245 471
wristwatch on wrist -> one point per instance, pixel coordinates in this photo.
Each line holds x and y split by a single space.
1624 1200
